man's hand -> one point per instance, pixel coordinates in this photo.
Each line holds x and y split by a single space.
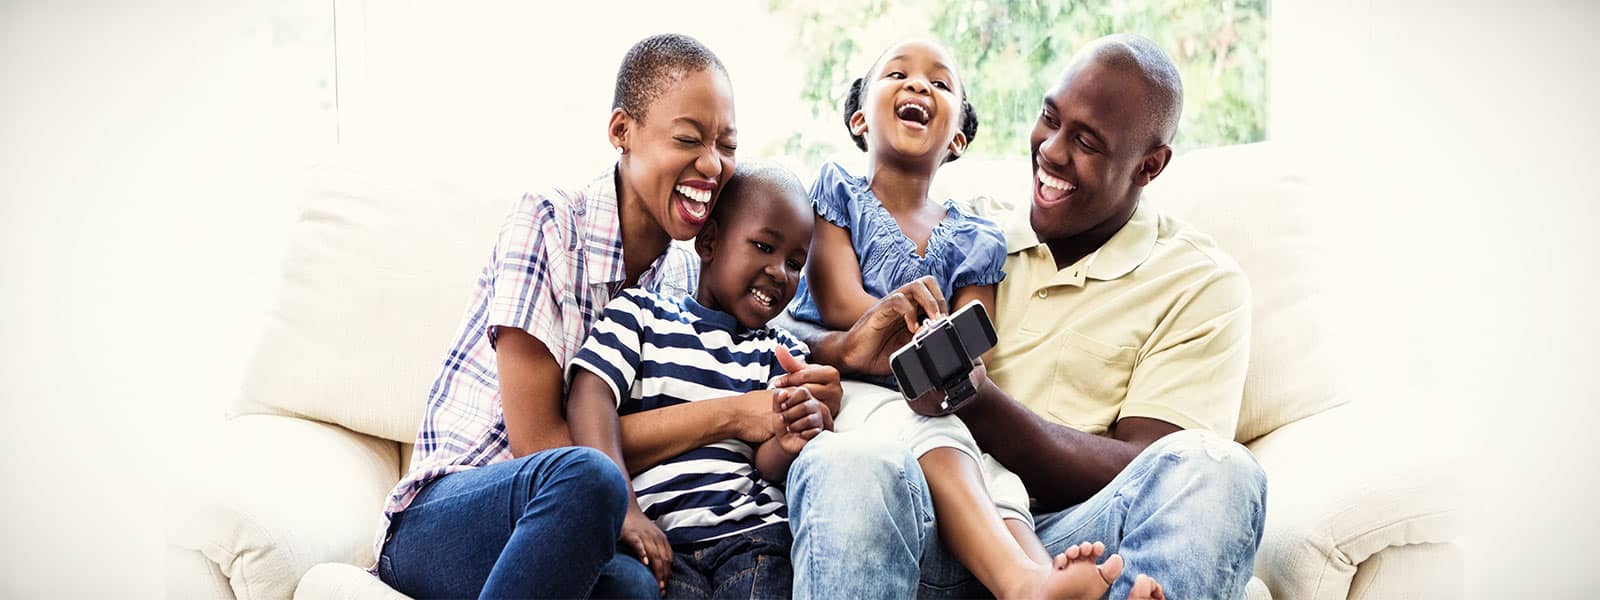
646 540
801 417
821 381
931 402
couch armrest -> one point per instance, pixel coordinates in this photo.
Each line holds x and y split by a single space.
277 495
1345 484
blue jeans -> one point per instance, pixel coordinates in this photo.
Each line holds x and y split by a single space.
1187 511
541 526
754 564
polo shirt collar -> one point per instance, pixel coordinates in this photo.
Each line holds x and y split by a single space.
602 229
714 319
1120 255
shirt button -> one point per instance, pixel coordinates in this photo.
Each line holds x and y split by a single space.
1043 294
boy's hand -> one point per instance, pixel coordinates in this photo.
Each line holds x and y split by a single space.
648 543
802 417
821 381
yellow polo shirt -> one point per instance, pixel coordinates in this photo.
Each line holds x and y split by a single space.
1156 323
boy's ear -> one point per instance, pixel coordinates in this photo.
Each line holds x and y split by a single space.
858 123
958 145
617 128
1152 165
705 242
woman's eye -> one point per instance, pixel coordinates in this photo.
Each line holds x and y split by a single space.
763 247
687 140
730 148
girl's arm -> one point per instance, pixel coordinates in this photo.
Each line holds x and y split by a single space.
530 393
981 293
834 274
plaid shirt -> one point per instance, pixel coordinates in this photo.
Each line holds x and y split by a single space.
556 263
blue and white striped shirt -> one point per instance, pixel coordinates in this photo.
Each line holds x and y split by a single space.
656 351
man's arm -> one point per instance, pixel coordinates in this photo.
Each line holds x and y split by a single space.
1060 465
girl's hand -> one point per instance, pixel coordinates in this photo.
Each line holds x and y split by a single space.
922 296
646 540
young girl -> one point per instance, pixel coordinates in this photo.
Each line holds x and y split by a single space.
498 503
881 235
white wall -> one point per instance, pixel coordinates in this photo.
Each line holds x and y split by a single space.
1458 138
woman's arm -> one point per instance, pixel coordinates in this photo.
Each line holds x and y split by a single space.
654 436
530 393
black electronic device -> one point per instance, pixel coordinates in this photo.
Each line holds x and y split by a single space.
941 356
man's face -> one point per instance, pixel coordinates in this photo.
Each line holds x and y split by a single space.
1088 143
753 258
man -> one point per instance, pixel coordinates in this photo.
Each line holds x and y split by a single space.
1113 391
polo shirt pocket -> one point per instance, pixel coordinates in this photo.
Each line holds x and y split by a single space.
1091 378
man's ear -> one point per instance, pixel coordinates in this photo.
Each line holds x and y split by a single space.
858 123
1151 166
958 145
617 129
705 242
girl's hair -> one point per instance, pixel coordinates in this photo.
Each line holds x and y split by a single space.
655 63
852 103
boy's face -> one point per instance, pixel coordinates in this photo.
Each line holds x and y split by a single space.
752 256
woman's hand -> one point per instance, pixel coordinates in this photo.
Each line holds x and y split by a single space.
648 543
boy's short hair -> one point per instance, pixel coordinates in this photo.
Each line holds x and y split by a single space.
770 173
654 63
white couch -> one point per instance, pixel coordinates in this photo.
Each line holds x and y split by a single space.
382 259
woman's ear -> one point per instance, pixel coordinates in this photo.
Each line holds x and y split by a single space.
858 123
705 242
617 129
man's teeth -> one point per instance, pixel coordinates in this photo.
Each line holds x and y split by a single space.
701 196
761 297
1057 183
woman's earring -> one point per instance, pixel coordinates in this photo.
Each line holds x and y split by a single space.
621 151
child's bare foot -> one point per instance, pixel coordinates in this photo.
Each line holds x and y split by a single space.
1075 576
1145 588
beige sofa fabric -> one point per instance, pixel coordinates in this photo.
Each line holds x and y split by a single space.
380 265
285 494
1339 493
1266 217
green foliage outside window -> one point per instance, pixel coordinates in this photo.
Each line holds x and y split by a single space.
1011 51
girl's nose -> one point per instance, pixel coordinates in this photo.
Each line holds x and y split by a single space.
917 84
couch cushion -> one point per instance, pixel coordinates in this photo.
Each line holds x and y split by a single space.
379 268
1251 201
340 581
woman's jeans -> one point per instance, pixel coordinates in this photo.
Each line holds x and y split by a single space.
541 526
1187 511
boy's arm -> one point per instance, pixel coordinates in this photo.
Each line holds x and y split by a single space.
654 436
773 461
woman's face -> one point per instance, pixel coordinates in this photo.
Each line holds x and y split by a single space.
912 104
679 155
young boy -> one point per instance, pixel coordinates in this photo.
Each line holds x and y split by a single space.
723 516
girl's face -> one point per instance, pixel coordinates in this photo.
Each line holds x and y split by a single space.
912 104
677 158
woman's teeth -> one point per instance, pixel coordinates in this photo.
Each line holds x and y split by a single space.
699 203
1046 180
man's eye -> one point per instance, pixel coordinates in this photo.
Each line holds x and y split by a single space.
1083 141
1049 121
764 248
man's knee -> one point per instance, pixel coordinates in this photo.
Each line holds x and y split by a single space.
1201 458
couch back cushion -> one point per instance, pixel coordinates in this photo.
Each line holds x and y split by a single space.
1252 201
380 265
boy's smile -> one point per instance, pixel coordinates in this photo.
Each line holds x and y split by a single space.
752 254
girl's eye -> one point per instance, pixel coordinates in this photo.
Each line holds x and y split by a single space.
896 75
941 85
763 247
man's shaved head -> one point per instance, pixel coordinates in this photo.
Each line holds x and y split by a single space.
1138 55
